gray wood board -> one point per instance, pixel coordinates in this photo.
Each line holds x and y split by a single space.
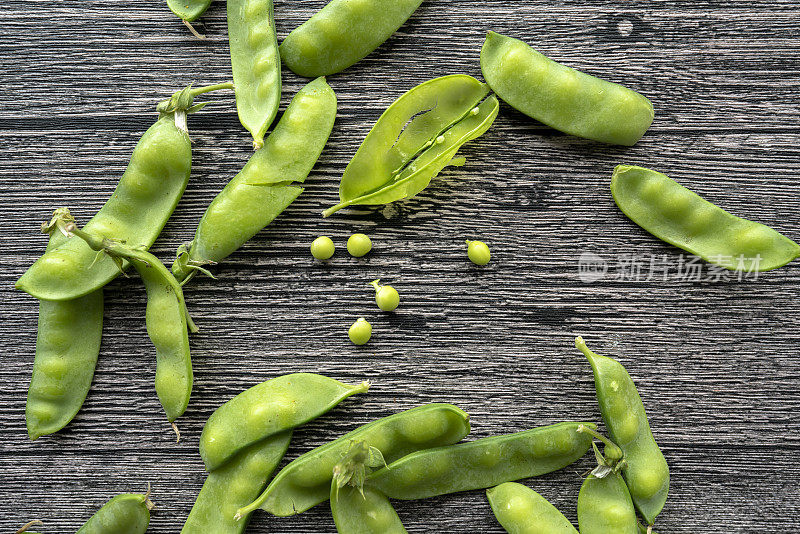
715 361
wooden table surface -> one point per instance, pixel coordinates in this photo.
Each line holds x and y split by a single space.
716 361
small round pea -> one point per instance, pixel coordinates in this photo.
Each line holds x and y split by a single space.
386 297
359 245
360 331
478 252
322 248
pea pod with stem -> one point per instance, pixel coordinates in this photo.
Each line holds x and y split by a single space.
604 502
520 510
67 346
189 11
138 209
128 513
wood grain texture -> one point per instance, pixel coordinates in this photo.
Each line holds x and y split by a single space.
716 362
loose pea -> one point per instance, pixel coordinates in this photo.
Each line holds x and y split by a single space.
322 248
478 252
386 297
360 331
520 510
359 245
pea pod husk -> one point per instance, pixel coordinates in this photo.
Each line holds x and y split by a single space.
520 510
605 506
128 513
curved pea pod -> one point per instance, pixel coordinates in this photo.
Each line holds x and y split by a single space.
128 513
520 510
306 481
561 97
188 10
482 463
605 506
342 33
265 186
234 485
268 408
414 139
256 64
369 512
682 218
645 469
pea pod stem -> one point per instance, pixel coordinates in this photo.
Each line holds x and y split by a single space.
607 442
193 30
29 524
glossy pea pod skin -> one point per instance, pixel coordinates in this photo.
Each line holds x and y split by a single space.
520 510
67 346
561 97
482 463
268 408
234 485
682 218
256 64
265 186
645 470
343 33
306 481
128 513
605 506
370 513
188 10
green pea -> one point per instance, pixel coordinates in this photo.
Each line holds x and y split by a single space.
462 467
478 252
360 331
605 506
686 220
561 97
520 510
342 33
128 513
188 10
366 512
234 485
645 469
322 248
386 297
359 245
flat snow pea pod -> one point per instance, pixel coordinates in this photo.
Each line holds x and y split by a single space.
128 513
188 10
343 33
682 218
265 186
605 506
67 345
367 513
520 510
256 64
306 481
136 212
645 469
234 485
268 408
563 98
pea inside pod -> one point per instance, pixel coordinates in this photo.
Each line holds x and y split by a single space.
128 513
682 218
520 510
561 97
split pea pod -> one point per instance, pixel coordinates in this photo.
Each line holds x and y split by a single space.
268 408
138 209
128 513
482 463
265 186
563 98
682 218
520 510
256 64
343 33
605 506
306 481
369 512
234 485
645 470
67 345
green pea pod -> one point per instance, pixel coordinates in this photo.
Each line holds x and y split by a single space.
268 408
415 126
188 10
235 484
343 33
306 481
605 506
645 469
67 345
136 212
256 64
369 512
482 463
264 187
682 218
128 513
520 510
561 97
